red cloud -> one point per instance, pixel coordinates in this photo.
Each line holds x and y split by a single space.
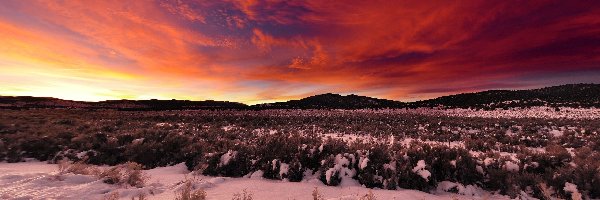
258 50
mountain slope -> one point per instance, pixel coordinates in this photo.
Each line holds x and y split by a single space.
572 95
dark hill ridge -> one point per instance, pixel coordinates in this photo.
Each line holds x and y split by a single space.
333 101
572 95
153 104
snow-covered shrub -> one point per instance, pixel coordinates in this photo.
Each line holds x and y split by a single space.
583 172
157 148
376 169
332 147
230 164
294 151
412 171
336 168
106 150
275 169
468 190
421 166
414 175
272 170
295 172
421 171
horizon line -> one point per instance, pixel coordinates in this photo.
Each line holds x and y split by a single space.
173 99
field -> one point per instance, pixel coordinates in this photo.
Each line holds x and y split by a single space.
531 152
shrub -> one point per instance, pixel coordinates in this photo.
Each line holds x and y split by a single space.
128 174
376 169
335 168
230 164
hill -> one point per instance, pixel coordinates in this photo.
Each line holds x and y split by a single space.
332 101
21 102
572 95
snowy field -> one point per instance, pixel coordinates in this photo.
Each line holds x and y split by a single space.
285 154
38 180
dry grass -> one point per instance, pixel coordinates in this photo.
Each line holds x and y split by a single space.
128 174
112 196
316 195
245 195
189 192
546 192
140 196
65 166
368 196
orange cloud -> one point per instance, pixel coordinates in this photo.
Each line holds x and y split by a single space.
262 50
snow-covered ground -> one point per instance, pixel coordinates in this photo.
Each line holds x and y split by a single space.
38 180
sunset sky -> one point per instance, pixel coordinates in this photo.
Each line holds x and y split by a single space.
264 51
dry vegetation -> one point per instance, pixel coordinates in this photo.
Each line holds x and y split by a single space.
525 156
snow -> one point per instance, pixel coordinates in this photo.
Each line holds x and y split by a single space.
453 163
330 172
572 188
138 141
421 171
28 181
488 161
341 169
257 174
556 133
469 190
225 158
511 166
283 169
38 180
479 169
228 127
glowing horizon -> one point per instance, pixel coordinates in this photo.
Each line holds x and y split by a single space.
265 51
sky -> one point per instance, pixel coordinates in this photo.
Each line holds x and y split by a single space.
254 51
